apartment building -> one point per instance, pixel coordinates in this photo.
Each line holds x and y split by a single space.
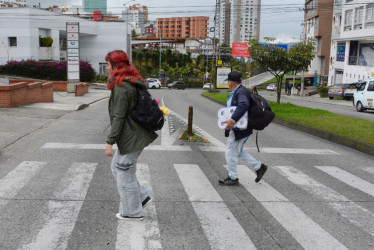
92 5
317 24
137 16
182 27
352 43
13 3
239 20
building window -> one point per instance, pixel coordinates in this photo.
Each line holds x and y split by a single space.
359 14
369 18
348 20
12 41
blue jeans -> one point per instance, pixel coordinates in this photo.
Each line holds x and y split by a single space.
130 191
234 151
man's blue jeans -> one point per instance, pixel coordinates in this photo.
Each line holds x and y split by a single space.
234 151
130 191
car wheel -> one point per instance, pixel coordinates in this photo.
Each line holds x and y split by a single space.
331 97
346 98
153 87
359 107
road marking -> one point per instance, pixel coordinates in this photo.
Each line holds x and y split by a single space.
51 145
212 140
59 221
275 150
369 170
14 181
140 234
308 233
219 224
356 214
349 179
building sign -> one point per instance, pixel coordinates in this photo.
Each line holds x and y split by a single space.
276 45
72 37
340 53
240 50
222 74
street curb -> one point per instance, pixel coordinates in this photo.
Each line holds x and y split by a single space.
360 146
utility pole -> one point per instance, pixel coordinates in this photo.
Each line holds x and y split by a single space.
159 32
214 38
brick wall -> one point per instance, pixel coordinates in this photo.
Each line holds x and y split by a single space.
81 88
22 93
57 85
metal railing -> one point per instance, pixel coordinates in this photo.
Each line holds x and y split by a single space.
361 61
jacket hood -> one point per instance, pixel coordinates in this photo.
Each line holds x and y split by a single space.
138 82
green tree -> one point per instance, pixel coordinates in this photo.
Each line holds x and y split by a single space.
133 33
279 61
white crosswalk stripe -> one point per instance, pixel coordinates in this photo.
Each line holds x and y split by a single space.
356 214
369 170
144 234
14 181
59 222
308 233
349 179
55 226
211 210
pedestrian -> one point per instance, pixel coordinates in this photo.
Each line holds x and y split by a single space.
237 138
289 89
129 137
254 91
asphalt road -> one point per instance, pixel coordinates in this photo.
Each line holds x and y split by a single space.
57 191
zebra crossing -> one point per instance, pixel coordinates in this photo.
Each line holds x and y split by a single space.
58 219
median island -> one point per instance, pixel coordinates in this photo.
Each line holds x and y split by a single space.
352 132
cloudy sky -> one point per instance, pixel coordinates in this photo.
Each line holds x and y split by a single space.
279 18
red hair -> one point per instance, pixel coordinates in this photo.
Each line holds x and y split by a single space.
123 70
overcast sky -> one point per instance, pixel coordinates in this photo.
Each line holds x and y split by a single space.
279 18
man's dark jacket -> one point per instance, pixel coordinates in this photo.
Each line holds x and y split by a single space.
241 101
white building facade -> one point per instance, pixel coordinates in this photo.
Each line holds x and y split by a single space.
239 20
137 16
352 43
22 27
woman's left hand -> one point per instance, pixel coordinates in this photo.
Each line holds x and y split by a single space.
108 150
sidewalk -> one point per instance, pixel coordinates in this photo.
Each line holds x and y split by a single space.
317 98
68 101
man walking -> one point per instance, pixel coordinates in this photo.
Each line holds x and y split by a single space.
237 138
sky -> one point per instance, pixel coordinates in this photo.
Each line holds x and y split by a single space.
281 19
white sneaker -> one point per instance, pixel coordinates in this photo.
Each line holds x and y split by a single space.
121 217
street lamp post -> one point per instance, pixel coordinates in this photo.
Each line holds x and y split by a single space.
159 32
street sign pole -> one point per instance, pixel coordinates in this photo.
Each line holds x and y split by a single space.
73 53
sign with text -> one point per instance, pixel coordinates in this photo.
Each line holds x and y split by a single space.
222 74
240 50
72 42
340 53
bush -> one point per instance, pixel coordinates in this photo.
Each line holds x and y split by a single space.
46 70
45 41
323 91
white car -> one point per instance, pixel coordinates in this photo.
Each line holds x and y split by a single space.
271 87
153 83
364 96
207 86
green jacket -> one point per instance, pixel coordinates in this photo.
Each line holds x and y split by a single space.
127 134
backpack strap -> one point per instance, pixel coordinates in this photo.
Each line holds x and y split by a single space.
258 149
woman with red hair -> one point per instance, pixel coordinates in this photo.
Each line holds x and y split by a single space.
130 137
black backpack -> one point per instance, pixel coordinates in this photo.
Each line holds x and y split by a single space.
259 113
147 112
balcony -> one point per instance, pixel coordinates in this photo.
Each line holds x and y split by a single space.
361 61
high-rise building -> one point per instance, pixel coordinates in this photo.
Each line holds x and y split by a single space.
92 5
137 16
182 27
239 20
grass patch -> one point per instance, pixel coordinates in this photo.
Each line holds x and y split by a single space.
354 128
192 137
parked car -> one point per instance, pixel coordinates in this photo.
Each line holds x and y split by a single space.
364 96
207 86
349 90
176 85
271 87
336 91
153 83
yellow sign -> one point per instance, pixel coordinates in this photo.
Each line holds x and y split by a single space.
219 62
221 76
372 74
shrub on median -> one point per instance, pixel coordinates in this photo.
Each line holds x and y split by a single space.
323 91
46 70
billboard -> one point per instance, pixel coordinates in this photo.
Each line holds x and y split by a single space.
240 50
221 75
